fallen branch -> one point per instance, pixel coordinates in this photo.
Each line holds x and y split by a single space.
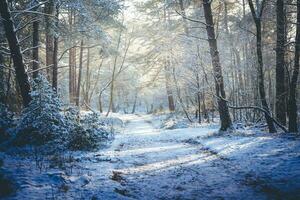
262 110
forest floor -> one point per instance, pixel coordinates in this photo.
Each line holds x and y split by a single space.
146 162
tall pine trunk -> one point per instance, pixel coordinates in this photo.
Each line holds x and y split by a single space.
280 105
292 109
219 84
14 46
79 74
35 45
87 79
55 52
72 60
49 8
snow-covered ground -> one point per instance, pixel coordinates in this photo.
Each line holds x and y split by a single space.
144 162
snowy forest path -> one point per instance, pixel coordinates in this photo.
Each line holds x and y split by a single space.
166 164
144 162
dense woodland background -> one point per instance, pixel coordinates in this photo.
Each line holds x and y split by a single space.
97 54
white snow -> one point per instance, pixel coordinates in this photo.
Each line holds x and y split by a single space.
144 162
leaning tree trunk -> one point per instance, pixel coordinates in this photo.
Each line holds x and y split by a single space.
21 75
293 85
219 84
280 106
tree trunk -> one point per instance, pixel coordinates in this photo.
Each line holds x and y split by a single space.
55 65
2 78
280 104
219 84
112 85
100 103
293 116
198 97
134 103
185 23
49 8
169 91
261 85
87 79
79 74
35 45
55 52
21 75
72 58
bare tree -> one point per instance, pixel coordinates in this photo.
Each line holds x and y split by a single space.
257 16
219 83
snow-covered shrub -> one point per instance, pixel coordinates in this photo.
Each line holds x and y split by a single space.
173 121
6 122
71 118
42 121
88 133
94 122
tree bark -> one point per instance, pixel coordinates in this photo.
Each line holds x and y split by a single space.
35 45
2 78
100 103
219 84
261 85
134 103
198 98
72 64
79 74
87 79
16 55
292 109
55 52
280 104
49 9
169 90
